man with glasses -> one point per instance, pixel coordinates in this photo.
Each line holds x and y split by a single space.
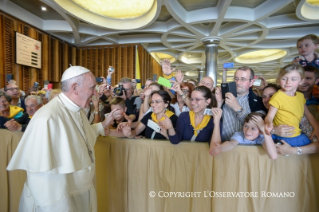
133 103
207 82
235 109
13 91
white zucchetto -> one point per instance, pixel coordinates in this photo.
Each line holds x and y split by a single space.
74 71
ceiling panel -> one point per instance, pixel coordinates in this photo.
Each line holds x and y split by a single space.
34 6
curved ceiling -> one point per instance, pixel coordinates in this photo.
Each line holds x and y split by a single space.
178 26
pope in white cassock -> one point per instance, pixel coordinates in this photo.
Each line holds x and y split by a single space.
57 150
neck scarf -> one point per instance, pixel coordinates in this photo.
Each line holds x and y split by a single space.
14 110
168 113
202 125
169 76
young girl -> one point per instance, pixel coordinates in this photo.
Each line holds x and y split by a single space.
253 134
288 107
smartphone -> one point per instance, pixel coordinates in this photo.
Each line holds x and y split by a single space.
208 112
50 86
164 82
154 77
36 84
257 82
151 124
47 94
138 80
111 69
228 65
45 83
99 79
9 77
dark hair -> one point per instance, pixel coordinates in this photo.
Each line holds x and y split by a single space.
271 85
246 68
313 70
166 98
158 85
250 116
8 98
207 94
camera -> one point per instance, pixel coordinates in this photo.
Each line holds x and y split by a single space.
119 90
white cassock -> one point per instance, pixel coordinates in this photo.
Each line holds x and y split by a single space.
54 151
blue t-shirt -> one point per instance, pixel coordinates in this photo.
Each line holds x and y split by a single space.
239 136
303 62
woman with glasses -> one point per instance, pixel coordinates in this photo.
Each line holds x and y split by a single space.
193 125
160 102
7 110
179 104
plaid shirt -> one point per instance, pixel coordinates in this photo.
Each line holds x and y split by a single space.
233 122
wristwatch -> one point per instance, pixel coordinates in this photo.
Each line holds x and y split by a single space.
96 112
299 151
238 112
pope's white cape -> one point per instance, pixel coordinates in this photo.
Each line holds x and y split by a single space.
53 141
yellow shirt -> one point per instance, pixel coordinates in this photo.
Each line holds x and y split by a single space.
290 109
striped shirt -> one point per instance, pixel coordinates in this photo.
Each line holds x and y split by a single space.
233 122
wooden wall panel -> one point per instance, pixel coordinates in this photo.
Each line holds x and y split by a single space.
2 60
55 54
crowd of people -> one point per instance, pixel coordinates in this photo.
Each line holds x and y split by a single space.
273 115
281 117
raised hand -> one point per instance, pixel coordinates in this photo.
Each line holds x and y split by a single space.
260 123
95 99
268 128
217 114
176 87
231 101
167 123
179 76
147 91
216 149
166 67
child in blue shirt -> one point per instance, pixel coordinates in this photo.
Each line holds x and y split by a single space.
253 134
306 47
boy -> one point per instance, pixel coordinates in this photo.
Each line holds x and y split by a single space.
306 47
253 134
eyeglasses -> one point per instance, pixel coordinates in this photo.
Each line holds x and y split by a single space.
156 101
205 83
185 91
236 79
196 100
12 89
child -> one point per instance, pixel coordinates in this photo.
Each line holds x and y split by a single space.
119 104
306 48
253 134
288 106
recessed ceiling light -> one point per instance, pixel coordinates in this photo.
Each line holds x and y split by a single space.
120 9
43 8
261 56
